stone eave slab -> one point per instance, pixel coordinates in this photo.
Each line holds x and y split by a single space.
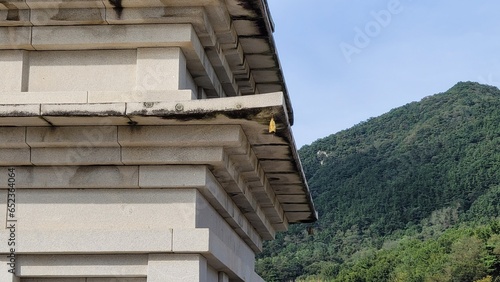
253 113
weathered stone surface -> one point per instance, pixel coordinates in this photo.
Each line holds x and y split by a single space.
296 207
190 135
76 136
22 121
297 216
105 209
223 277
47 4
14 98
140 96
291 199
53 279
20 112
161 69
13 137
191 240
177 176
275 166
172 176
14 66
90 110
8 277
171 155
207 217
111 36
5 275
74 177
83 265
83 279
68 16
84 118
177 267
15 38
116 280
15 156
93 241
88 70
18 15
212 274
275 152
76 156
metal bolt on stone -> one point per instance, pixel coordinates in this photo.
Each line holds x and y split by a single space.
179 107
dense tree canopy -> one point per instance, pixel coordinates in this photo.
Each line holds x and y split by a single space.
412 195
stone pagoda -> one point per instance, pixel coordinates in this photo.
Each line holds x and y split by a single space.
143 141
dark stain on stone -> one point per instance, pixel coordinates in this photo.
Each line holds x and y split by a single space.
17 114
252 5
281 134
308 220
191 116
247 114
12 11
117 4
70 14
83 113
166 10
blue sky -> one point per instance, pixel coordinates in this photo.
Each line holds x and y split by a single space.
345 61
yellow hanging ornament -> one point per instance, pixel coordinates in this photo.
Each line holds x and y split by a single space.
272 126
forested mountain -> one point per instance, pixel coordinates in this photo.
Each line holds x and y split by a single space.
412 195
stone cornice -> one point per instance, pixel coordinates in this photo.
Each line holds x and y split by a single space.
270 161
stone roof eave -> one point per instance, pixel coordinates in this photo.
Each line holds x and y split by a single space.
253 113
